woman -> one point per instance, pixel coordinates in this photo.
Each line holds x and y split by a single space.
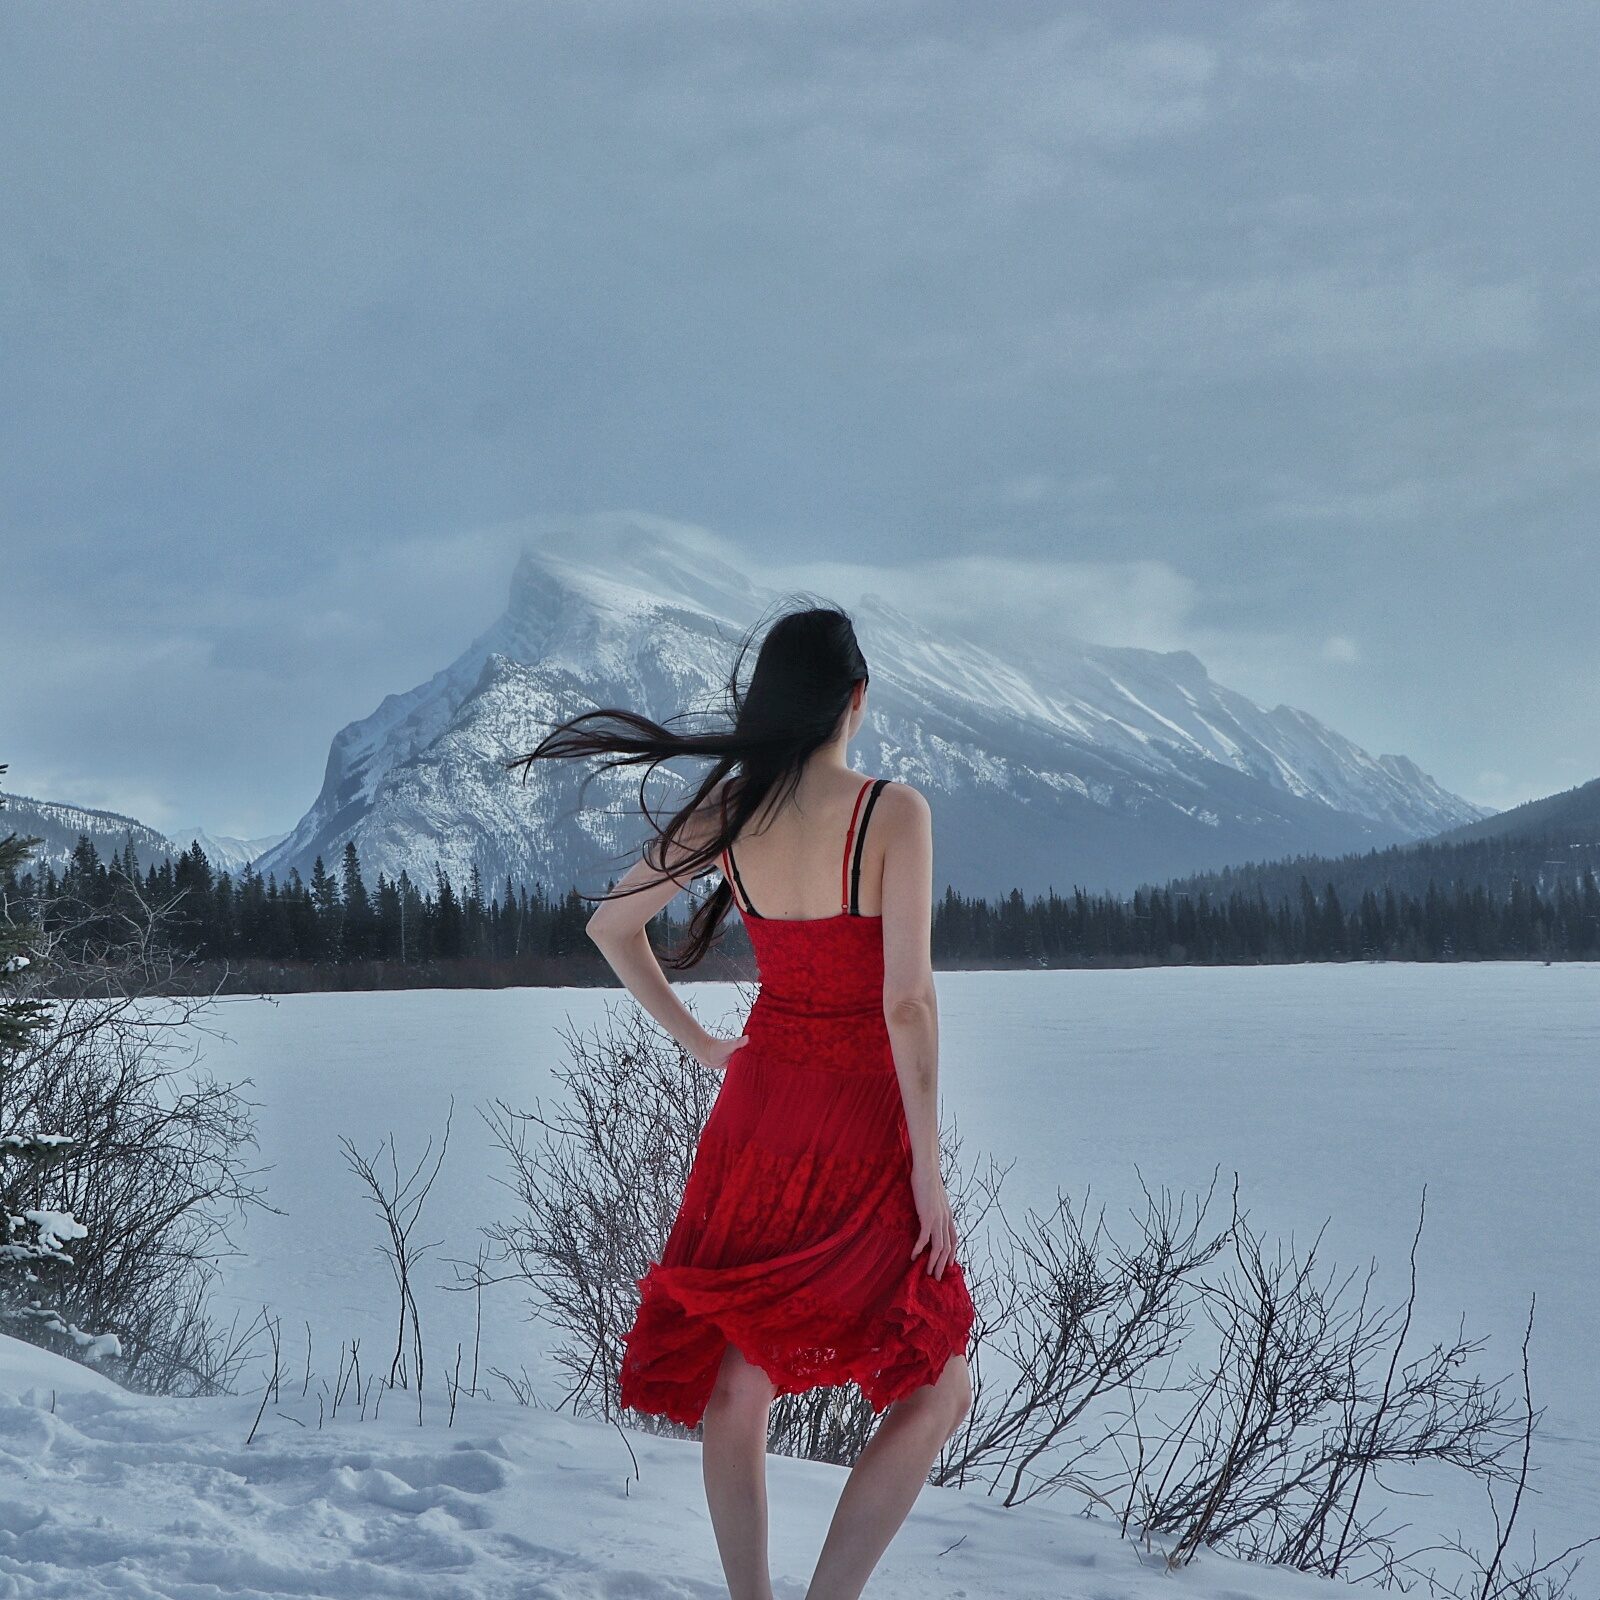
814 1243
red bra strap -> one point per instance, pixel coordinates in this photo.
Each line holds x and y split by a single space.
849 839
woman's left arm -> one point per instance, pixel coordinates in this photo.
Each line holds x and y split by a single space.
617 928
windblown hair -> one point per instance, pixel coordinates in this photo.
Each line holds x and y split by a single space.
805 672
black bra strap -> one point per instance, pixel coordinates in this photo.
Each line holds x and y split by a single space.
749 909
861 834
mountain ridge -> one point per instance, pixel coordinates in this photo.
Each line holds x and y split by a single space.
1571 814
1089 764
59 823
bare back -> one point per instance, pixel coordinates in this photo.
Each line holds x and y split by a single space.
844 844
794 863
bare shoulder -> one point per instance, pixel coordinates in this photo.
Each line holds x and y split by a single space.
903 805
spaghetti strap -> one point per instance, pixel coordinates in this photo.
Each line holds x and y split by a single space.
853 903
844 867
733 870
850 866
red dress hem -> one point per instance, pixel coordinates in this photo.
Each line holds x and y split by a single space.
919 1342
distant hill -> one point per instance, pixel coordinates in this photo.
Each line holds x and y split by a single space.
1573 816
1541 844
59 826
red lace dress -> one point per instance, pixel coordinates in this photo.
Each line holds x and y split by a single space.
793 1239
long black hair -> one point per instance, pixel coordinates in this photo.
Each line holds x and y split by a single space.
805 674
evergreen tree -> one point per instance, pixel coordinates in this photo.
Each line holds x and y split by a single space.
408 941
192 917
360 922
474 941
448 927
32 1235
386 937
324 919
1333 930
20 1016
1309 942
566 934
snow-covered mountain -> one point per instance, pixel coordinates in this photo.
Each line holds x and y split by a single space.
223 850
59 826
1097 766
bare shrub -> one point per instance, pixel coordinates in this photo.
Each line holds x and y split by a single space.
1306 1399
399 1204
1203 1391
155 1170
1077 1318
598 1181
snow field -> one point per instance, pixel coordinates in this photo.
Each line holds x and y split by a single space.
105 1494
1336 1092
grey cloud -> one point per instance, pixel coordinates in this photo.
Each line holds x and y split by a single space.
1251 326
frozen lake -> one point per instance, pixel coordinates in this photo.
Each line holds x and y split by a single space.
1335 1091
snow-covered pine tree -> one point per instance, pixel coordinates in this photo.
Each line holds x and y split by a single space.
19 1016
31 1236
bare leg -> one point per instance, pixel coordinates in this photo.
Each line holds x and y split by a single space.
884 1482
733 1458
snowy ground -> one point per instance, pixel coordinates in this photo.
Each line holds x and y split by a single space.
110 1495
1335 1092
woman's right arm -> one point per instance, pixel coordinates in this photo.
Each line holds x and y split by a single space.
910 1004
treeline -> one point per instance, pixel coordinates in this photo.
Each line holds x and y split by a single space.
348 933
332 920
1496 863
1164 927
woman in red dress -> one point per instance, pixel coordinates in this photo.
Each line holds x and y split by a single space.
814 1244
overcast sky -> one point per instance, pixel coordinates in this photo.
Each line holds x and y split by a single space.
1268 331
